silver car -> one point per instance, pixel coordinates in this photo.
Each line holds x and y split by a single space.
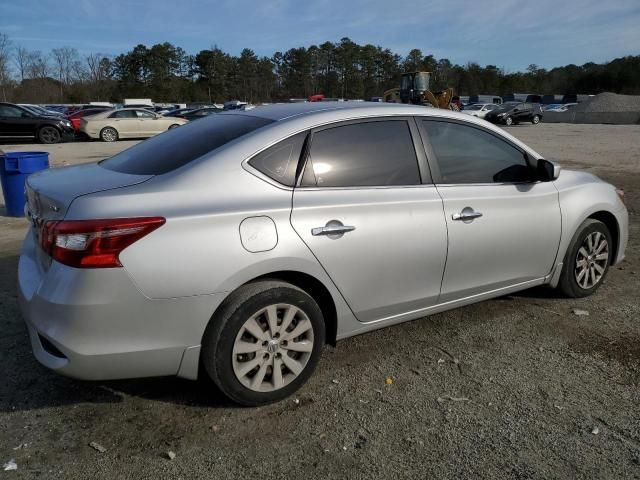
244 242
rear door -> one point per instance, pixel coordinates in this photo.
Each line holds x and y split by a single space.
504 226
365 206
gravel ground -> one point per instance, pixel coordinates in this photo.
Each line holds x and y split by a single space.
517 387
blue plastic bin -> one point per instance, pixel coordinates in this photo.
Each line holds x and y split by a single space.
15 167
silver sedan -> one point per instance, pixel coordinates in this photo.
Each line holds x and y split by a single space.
245 241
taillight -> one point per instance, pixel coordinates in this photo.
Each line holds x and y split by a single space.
94 243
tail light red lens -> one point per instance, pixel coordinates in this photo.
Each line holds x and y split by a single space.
94 243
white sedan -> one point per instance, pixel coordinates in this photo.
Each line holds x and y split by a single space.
112 125
479 109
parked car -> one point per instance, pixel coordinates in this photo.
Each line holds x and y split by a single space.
77 116
38 110
238 245
560 108
20 122
113 125
199 113
511 113
479 109
177 112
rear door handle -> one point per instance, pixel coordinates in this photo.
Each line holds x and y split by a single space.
332 230
467 214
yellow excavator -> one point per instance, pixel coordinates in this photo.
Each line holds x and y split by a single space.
414 89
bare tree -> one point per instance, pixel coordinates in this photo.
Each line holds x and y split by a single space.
65 60
5 73
37 65
21 57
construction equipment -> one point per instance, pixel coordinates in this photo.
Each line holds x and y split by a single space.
414 89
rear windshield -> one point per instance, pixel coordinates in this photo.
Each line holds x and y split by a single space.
179 146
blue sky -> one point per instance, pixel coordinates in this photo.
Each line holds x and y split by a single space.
508 33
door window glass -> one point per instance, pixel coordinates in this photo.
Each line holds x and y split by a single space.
467 154
144 114
123 114
362 154
9 111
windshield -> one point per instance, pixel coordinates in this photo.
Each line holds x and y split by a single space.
180 146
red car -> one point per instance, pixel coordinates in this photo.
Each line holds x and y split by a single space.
75 117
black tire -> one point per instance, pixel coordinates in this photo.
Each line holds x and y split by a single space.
508 121
175 125
224 327
568 283
49 135
535 120
109 134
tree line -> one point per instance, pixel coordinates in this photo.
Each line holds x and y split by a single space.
344 69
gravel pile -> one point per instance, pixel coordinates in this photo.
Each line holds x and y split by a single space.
610 102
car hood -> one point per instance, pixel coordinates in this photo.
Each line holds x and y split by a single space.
50 192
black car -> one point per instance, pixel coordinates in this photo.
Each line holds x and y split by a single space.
199 113
512 113
17 122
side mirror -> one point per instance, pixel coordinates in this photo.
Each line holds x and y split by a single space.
547 171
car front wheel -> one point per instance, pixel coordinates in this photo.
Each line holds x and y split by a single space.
264 343
508 121
535 120
587 260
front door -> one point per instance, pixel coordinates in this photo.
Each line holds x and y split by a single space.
16 122
374 226
504 227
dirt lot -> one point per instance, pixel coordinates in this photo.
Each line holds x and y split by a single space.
517 387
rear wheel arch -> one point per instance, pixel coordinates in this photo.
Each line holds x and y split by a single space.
309 284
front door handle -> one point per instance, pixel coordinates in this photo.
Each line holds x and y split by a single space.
333 229
466 215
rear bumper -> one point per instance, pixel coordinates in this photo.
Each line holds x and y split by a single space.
96 325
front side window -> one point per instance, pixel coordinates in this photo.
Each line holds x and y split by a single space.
144 114
123 114
280 161
467 154
379 153
8 111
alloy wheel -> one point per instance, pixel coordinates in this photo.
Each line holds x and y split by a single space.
109 135
272 347
591 260
49 135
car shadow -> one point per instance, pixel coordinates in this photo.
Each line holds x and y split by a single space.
26 385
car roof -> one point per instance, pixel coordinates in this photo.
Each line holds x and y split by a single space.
283 111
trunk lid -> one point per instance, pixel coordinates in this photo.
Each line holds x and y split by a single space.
50 192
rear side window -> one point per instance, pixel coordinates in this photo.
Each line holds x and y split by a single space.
362 154
279 162
470 155
179 146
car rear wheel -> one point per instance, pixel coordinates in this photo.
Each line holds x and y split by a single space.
587 260
49 135
508 121
108 134
264 342
535 120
